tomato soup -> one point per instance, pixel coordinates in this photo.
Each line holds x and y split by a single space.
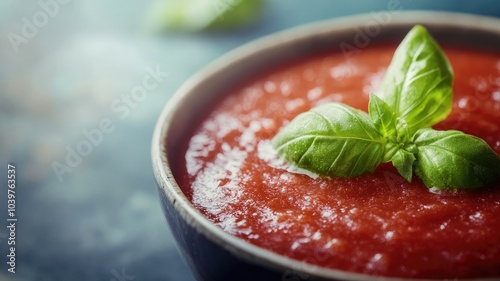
376 224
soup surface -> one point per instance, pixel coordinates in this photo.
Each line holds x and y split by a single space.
376 224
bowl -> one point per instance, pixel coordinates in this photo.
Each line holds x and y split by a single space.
213 254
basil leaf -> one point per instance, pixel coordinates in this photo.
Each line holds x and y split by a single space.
418 83
452 159
199 15
235 13
331 140
403 161
382 115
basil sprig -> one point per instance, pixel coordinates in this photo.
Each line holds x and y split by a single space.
337 140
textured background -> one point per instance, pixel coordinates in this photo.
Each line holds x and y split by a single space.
103 220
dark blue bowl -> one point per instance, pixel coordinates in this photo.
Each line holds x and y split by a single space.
215 255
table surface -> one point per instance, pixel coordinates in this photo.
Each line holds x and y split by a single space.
101 218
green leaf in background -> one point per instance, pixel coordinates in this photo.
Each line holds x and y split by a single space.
454 159
199 15
332 140
418 82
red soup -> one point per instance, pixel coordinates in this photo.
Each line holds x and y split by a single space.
376 224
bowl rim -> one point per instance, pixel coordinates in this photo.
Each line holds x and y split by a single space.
237 246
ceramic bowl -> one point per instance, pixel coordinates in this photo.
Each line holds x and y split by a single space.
211 253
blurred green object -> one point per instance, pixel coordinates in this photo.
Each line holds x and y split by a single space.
200 15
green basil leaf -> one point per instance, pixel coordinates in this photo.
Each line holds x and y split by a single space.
403 161
418 83
452 159
331 140
199 15
382 115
